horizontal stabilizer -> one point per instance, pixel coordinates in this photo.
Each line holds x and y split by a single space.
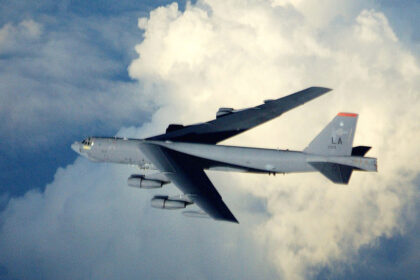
337 173
360 151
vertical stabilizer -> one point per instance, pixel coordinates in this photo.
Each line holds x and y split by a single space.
336 139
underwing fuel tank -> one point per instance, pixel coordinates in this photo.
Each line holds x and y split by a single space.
139 181
164 202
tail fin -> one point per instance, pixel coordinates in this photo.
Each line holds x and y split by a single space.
336 139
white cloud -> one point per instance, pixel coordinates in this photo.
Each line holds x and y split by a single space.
96 227
12 36
222 53
253 52
53 78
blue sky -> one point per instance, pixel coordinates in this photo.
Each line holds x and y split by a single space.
64 76
106 34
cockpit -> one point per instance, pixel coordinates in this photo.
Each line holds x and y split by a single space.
87 142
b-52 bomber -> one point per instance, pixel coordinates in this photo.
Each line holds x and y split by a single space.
182 153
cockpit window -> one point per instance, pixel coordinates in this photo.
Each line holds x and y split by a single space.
88 142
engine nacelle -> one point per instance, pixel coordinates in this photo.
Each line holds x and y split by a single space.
224 111
138 181
164 202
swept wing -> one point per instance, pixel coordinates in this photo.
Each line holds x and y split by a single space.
186 171
229 125
187 174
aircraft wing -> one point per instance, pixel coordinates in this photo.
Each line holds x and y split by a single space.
185 172
238 121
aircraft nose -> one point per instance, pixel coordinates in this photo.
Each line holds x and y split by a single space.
76 147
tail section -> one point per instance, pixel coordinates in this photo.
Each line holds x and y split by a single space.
337 173
336 139
332 154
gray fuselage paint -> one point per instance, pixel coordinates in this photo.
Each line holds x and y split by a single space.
228 158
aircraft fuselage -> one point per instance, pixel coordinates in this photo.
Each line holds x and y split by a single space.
182 153
215 157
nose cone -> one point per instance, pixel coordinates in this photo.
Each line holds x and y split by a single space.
76 147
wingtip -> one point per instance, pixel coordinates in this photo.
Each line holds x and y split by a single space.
317 91
234 220
230 219
325 89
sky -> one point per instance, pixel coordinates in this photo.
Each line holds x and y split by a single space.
71 69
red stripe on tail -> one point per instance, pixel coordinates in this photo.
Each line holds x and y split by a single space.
347 115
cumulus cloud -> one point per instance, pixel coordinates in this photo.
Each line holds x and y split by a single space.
96 227
236 54
55 75
255 51
13 37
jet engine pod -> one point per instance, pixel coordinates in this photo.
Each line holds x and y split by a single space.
138 181
164 202
224 111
